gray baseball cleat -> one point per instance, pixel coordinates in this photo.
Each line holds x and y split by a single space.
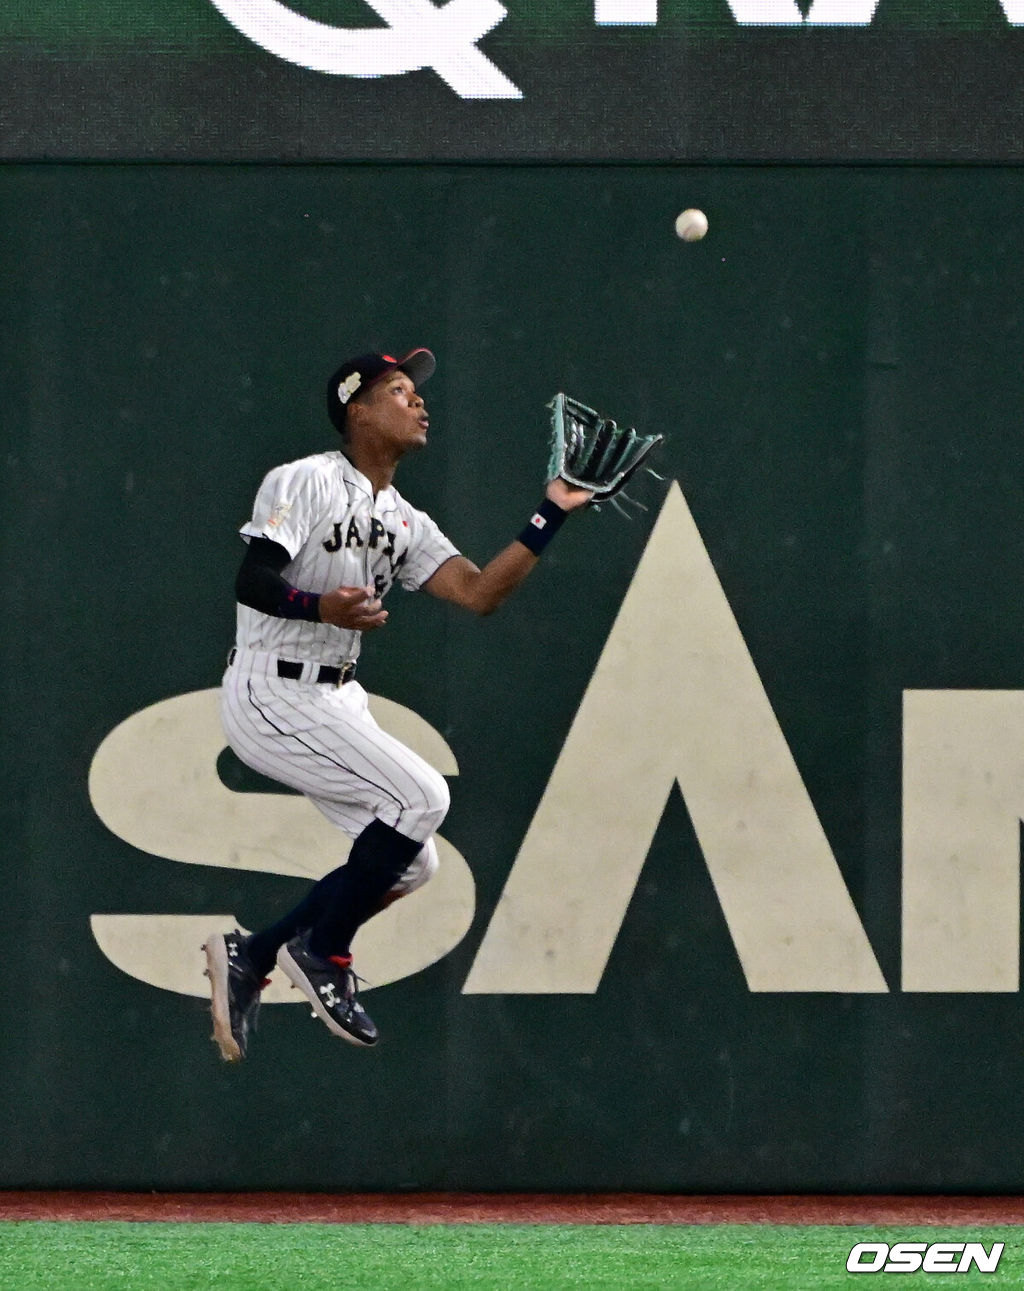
235 989
330 987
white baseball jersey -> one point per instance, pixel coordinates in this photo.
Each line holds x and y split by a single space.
321 739
323 512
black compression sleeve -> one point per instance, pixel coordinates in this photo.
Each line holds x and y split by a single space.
260 586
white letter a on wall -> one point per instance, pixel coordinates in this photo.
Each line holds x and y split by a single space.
675 697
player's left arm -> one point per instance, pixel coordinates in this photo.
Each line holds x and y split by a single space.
482 590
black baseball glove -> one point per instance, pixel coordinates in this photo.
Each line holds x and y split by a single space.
591 451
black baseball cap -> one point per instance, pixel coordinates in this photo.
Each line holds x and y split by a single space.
358 374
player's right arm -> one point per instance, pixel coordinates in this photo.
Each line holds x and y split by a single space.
262 586
483 590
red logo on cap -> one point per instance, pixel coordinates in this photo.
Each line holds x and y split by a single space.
388 358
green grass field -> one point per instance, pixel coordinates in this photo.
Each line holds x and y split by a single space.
101 1256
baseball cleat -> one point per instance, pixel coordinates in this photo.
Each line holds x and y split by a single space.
330 987
235 991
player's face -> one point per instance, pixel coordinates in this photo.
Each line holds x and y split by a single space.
395 413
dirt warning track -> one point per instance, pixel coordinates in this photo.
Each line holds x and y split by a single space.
495 1208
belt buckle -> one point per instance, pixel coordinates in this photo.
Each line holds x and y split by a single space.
345 672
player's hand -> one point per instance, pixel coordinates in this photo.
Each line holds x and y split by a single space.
356 608
566 496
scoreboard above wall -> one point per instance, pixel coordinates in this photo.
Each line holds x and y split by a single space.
531 80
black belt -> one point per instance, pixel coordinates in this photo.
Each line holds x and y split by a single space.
327 674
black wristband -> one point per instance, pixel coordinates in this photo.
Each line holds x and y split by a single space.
544 524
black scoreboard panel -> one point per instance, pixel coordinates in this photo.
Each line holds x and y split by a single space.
585 80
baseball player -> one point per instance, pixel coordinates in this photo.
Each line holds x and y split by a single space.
329 536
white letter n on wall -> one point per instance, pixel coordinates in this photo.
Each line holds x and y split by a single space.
963 802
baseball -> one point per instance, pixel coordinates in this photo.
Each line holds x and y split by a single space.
691 225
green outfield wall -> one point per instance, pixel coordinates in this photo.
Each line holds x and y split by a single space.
730 887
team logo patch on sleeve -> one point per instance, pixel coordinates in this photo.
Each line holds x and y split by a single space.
280 510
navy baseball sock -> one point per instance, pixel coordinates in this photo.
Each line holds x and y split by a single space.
379 856
342 900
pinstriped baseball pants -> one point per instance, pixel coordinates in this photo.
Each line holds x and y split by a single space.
323 741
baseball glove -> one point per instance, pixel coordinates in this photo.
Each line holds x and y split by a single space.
591 451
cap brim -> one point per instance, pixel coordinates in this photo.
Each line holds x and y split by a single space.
419 364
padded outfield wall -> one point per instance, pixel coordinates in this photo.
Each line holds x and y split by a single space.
730 887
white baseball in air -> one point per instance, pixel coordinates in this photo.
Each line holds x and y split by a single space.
691 225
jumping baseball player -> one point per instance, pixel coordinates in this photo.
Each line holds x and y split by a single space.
329 536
